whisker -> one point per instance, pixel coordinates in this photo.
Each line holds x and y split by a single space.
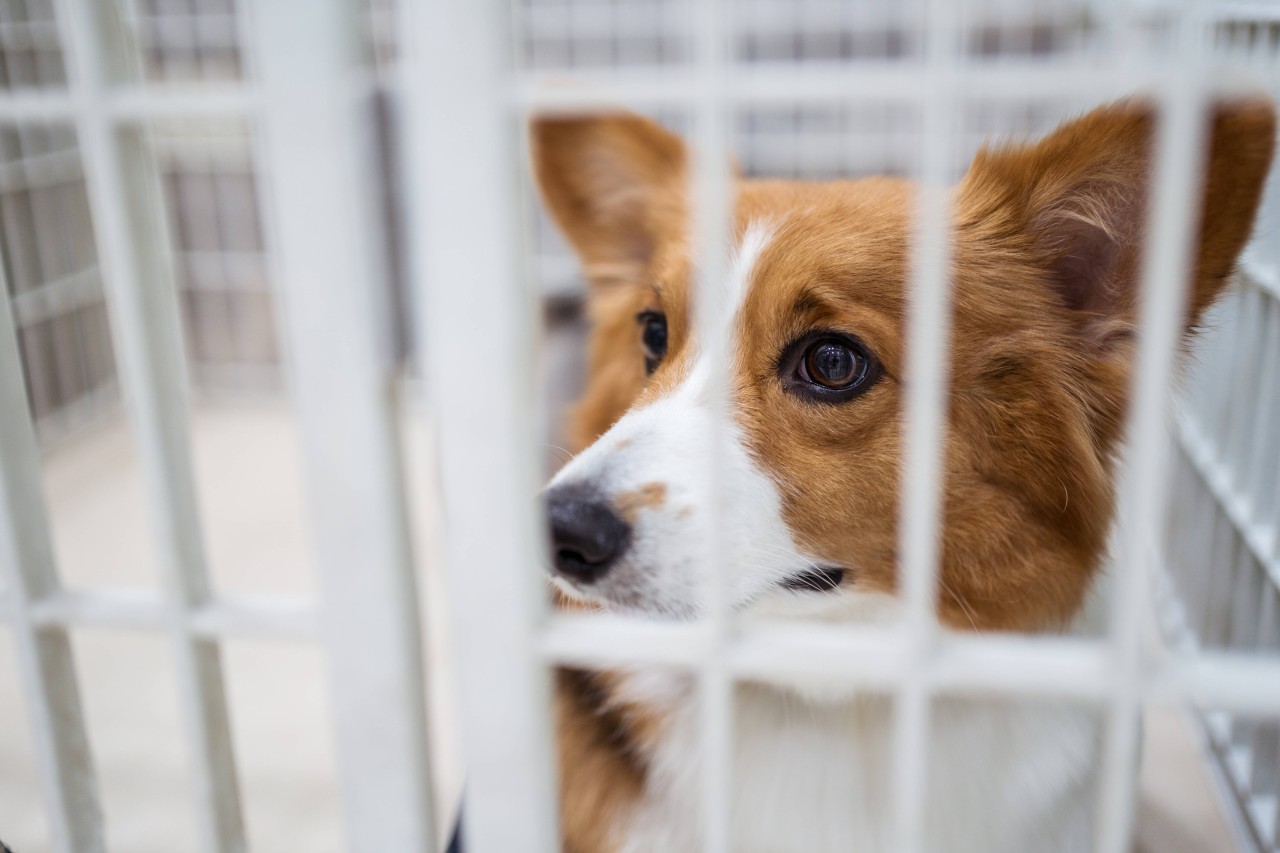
567 455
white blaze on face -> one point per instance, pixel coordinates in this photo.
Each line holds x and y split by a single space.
668 442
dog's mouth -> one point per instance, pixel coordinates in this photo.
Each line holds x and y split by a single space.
817 579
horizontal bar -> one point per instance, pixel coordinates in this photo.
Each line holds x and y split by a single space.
58 297
1013 665
641 86
547 20
843 83
607 640
565 21
759 84
270 618
255 617
40 170
1220 681
1256 12
131 102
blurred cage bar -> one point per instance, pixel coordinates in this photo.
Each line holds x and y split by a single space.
812 89
1221 544
210 194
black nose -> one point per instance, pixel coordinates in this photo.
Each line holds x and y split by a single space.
587 536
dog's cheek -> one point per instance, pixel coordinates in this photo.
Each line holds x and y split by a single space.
762 549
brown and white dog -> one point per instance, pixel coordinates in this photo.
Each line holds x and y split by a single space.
1045 267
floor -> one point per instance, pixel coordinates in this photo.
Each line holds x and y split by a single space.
251 491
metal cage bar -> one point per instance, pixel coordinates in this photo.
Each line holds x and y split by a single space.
313 153
127 215
919 514
710 189
459 129
1177 164
30 576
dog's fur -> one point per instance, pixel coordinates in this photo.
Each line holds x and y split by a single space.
1046 242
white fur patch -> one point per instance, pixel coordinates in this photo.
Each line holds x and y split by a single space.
1003 777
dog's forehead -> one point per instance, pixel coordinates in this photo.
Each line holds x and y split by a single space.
833 255
833 222
832 233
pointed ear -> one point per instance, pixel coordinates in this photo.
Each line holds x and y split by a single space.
613 183
1078 200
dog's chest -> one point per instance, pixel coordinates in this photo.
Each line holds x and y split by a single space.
818 777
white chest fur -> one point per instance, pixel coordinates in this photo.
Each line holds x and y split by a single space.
814 777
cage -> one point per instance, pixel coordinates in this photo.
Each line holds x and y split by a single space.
287 348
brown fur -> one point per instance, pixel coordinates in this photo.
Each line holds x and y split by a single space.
1046 244
648 496
600 772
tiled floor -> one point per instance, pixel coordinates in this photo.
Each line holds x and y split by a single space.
251 491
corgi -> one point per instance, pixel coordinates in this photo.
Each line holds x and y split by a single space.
1045 265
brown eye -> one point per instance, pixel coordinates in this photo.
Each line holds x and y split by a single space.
828 366
653 336
832 364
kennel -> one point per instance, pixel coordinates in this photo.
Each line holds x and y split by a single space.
350 135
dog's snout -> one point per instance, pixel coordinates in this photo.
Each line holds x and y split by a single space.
587 534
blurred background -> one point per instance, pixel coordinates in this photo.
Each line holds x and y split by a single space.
1209 783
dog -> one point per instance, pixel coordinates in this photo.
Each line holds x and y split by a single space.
1046 241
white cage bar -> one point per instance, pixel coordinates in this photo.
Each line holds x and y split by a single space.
314 150
710 188
67 780
928 336
1177 165
461 181
463 106
125 202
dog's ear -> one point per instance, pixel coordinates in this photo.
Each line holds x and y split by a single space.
615 185
1078 200
612 183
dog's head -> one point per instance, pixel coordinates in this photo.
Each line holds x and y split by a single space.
1045 253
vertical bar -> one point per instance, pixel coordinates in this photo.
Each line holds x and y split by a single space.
131 230
1244 613
315 177
1260 484
929 335
48 672
711 192
1233 421
1167 260
1222 567
1200 551
1264 776
464 271
1218 370
1251 340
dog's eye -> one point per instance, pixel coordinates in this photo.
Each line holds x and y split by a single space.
832 364
654 337
828 366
